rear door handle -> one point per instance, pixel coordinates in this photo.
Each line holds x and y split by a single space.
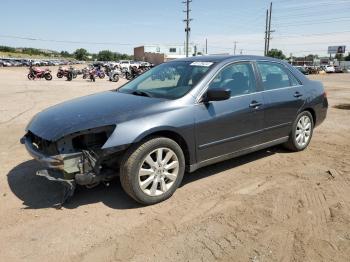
297 94
255 104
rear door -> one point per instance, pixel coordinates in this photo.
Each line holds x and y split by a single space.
283 97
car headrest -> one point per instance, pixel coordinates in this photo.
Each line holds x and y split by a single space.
238 76
226 74
196 78
274 78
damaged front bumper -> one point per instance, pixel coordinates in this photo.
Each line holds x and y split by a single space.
66 163
68 184
69 169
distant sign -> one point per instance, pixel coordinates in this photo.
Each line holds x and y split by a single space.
336 49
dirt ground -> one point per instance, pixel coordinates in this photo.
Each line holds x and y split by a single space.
272 205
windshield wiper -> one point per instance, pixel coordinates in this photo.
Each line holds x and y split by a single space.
141 93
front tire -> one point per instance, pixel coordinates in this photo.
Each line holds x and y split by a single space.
48 77
151 172
301 133
115 78
128 76
31 76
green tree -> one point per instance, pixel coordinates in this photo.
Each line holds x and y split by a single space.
81 54
339 57
65 54
347 58
119 56
311 57
7 49
276 54
106 55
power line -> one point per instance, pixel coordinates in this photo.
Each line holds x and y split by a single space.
313 5
323 13
310 35
315 23
64 41
80 42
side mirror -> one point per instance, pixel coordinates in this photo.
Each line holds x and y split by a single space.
218 94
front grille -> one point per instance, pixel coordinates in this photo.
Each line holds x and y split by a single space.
44 146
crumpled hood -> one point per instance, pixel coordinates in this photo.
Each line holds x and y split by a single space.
101 109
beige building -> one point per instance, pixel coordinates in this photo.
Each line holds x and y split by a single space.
157 54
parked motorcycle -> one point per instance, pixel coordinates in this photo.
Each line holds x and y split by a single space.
92 74
69 73
100 73
133 72
39 73
95 70
85 72
114 75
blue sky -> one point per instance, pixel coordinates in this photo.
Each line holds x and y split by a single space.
302 27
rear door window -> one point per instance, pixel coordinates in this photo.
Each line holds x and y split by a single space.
275 76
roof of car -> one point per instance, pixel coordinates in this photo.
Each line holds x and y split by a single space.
220 58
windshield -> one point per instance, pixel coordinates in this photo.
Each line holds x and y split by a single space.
170 80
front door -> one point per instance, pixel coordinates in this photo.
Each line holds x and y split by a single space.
231 125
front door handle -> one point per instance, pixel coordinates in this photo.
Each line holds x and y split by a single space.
297 94
255 104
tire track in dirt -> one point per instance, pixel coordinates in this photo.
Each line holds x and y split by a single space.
209 204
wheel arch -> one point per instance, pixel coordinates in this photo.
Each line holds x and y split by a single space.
312 112
173 135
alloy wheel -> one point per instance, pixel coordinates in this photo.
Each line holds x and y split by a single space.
303 131
158 171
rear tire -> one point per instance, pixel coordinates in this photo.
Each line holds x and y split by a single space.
301 133
59 75
69 76
164 175
128 76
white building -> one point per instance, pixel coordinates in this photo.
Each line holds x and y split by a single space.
158 54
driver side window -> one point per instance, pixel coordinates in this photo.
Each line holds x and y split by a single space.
238 77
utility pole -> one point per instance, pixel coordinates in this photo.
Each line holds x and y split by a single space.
234 50
266 28
269 31
206 46
187 21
